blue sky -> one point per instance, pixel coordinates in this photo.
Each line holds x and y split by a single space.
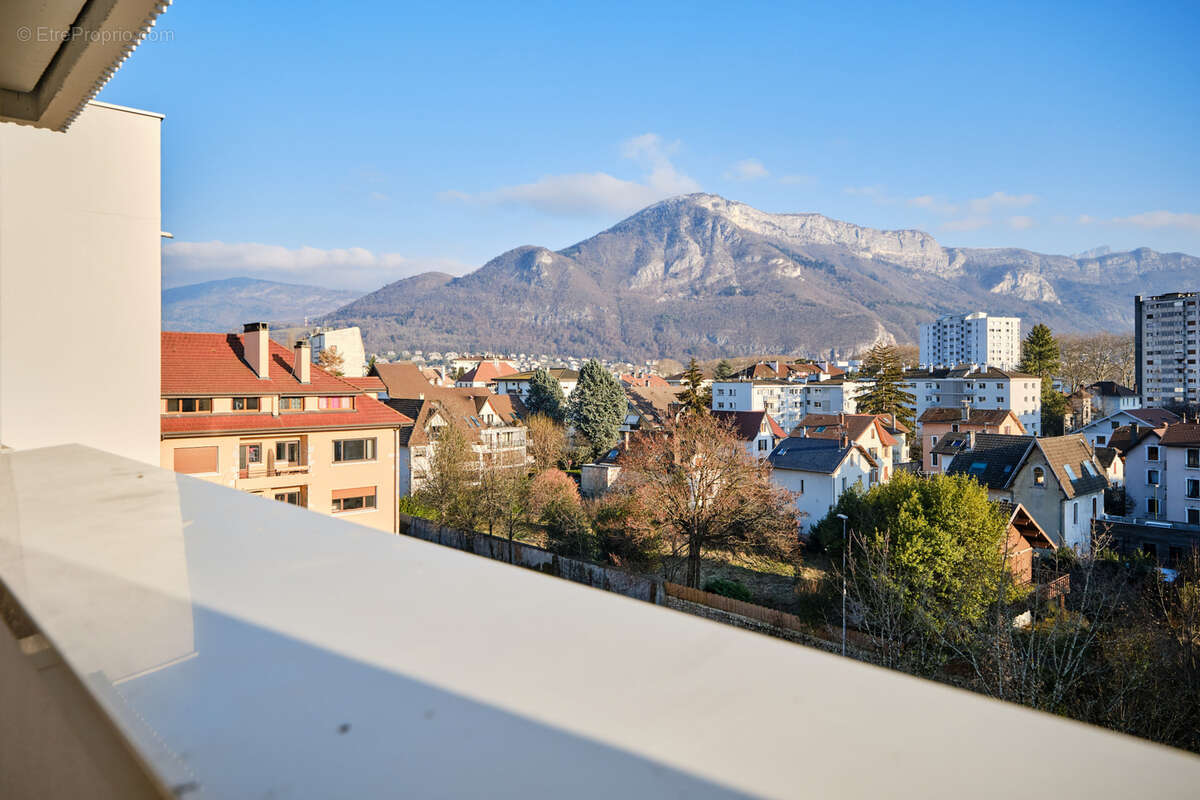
350 145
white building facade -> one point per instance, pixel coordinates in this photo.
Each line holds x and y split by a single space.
990 388
1166 339
787 401
974 338
349 344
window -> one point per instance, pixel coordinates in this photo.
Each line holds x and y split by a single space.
1152 505
290 496
288 451
1100 441
1070 472
245 404
1074 513
249 454
1193 516
194 460
933 459
1093 508
1193 488
1039 476
954 428
354 450
1152 477
802 486
188 405
762 444
335 402
291 404
1152 454
1193 457
353 499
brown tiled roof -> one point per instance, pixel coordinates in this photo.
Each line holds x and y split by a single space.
994 460
654 402
1182 434
486 371
1074 452
403 379
460 406
1105 456
1123 439
979 417
746 425
830 426
1154 417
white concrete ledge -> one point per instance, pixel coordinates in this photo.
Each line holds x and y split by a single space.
246 648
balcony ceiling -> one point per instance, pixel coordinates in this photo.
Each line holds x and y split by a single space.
58 54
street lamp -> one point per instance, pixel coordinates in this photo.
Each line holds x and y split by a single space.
845 547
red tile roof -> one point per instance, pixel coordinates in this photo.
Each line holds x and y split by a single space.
747 425
1153 417
486 371
212 364
368 413
367 384
1182 434
832 426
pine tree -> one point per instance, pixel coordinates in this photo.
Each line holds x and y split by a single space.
597 408
885 394
546 396
695 397
1041 356
724 370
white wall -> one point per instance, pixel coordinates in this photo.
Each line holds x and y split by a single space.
80 283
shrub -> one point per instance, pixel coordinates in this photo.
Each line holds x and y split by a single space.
735 590
415 508
551 487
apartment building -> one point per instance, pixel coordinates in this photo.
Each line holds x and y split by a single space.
1165 336
974 338
946 430
349 344
787 401
517 383
981 388
243 411
819 471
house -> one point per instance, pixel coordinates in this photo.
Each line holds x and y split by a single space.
246 412
492 423
786 400
1099 431
517 383
865 430
1179 454
818 471
1140 449
484 373
1111 464
1109 397
1024 536
1056 478
1079 411
937 422
646 379
757 430
650 407
981 387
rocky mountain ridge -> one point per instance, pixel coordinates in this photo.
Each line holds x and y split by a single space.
705 276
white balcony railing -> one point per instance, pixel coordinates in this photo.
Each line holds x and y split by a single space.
241 648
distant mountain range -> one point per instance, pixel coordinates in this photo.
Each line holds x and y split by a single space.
705 276
217 306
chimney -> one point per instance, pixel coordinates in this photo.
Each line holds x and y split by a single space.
844 441
256 344
842 418
1133 432
970 441
966 410
302 366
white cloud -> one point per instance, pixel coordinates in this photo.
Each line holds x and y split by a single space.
999 200
928 201
797 180
1160 219
972 223
1021 222
589 193
748 169
348 268
1084 219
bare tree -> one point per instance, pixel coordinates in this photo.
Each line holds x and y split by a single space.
547 442
1102 357
331 360
697 486
448 481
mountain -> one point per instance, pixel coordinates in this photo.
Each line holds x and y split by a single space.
225 305
705 276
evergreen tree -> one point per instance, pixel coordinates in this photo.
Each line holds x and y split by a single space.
723 371
597 408
885 394
695 397
1041 356
546 396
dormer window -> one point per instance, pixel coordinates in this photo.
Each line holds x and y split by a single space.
245 404
1039 476
291 404
335 402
